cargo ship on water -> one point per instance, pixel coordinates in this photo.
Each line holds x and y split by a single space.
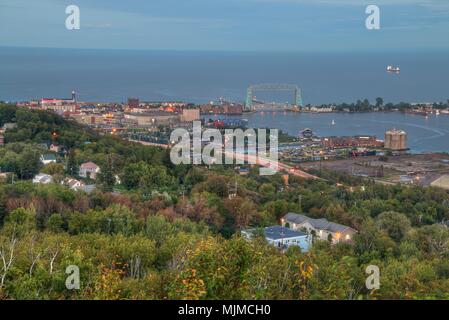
393 69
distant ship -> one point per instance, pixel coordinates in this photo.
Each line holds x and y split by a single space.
393 69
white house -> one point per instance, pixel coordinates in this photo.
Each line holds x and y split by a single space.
73 184
48 158
43 178
321 228
282 237
53 147
89 169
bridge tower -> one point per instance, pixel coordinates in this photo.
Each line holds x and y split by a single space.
298 97
249 98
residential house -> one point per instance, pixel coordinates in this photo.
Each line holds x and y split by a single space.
282 237
54 148
2 140
321 228
89 170
73 184
43 178
9 126
48 158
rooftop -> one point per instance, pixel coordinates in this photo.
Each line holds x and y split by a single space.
49 157
322 223
89 165
279 232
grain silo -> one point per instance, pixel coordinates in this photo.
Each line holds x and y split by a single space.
396 140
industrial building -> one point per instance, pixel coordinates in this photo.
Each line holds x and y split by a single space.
396 140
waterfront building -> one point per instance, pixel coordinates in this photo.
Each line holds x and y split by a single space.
396 140
354 142
189 115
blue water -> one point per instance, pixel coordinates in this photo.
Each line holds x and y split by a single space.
114 75
429 134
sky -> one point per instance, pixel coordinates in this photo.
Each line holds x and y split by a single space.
235 25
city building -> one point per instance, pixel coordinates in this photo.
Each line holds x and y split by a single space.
337 142
89 170
282 237
396 140
441 182
150 118
189 115
320 228
351 142
133 102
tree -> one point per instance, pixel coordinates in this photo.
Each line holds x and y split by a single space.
379 102
29 164
106 176
72 168
55 223
395 224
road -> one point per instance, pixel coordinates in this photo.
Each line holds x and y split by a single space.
262 161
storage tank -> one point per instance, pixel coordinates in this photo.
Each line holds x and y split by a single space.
396 140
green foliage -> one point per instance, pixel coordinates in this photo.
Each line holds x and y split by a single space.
170 232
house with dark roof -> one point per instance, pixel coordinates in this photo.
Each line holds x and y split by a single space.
282 237
320 228
48 158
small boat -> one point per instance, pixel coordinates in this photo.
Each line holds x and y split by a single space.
393 69
333 122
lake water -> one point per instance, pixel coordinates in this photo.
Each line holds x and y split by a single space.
429 134
114 75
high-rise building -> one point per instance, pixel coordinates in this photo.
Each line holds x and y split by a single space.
396 140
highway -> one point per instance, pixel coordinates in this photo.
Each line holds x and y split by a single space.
253 159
